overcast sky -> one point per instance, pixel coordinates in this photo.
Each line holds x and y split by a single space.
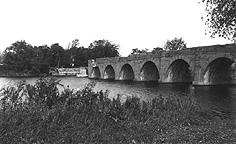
129 23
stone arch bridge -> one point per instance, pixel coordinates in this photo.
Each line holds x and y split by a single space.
206 65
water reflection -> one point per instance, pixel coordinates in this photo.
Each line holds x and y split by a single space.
221 97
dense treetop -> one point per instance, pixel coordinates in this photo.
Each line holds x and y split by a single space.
101 48
175 44
221 17
138 51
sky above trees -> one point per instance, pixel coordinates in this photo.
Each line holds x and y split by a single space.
131 24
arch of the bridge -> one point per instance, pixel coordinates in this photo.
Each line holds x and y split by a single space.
187 59
95 72
218 69
149 72
109 72
179 70
126 72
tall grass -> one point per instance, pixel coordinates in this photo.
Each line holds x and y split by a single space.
41 114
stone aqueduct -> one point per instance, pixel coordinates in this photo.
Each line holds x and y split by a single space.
200 65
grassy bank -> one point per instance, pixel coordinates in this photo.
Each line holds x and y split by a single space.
86 116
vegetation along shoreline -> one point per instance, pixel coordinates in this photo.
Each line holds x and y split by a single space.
39 113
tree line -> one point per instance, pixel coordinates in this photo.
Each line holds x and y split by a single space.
174 44
23 58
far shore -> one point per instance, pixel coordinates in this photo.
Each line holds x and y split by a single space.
29 76
22 75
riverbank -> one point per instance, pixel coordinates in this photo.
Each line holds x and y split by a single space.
8 73
86 116
58 72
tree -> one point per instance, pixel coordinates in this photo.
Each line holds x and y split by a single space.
157 49
19 56
22 58
1 57
138 51
175 44
42 59
221 18
104 48
56 53
76 56
74 43
82 56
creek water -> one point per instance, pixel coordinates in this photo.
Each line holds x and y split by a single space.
220 98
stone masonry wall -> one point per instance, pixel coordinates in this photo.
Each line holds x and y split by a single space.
198 58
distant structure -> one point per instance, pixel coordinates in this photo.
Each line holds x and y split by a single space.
207 65
79 72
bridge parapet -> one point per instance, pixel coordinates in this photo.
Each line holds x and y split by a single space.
214 48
